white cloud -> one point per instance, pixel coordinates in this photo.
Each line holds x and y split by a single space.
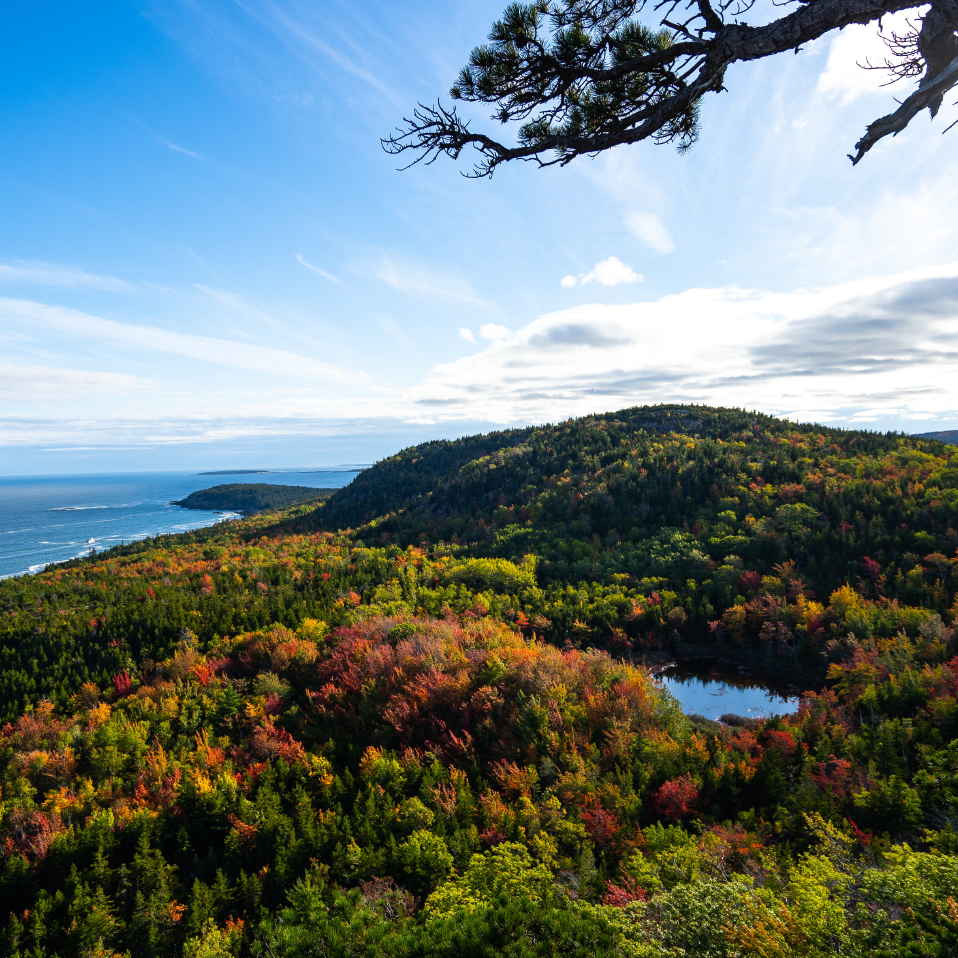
843 78
33 273
610 272
224 352
882 412
810 415
319 271
43 383
650 228
466 334
420 281
494 332
882 347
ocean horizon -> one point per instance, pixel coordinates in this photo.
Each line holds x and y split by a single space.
49 519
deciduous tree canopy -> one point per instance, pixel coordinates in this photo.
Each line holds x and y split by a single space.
582 76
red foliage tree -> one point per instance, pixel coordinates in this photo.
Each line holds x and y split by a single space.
749 581
618 896
675 798
601 824
833 776
871 570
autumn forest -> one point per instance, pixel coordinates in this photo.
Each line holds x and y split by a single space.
417 717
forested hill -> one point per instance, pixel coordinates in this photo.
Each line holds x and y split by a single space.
450 480
671 493
251 497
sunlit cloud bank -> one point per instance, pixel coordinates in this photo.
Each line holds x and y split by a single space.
884 348
879 352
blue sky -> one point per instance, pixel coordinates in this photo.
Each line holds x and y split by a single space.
207 260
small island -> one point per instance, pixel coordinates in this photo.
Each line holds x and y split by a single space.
251 498
235 472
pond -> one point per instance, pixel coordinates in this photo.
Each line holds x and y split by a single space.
714 689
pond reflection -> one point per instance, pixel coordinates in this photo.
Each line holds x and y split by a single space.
713 690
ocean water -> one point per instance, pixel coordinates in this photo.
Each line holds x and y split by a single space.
46 519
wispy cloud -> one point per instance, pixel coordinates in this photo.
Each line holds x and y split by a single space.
466 334
610 272
319 270
44 383
291 52
391 328
35 273
282 22
163 141
417 280
623 175
87 327
181 149
651 229
234 302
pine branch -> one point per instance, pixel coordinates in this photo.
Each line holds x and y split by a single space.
583 76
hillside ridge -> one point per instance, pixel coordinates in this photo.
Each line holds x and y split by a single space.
670 493
402 482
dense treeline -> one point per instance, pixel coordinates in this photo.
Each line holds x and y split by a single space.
422 735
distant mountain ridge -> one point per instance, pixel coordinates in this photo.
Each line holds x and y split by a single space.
946 435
